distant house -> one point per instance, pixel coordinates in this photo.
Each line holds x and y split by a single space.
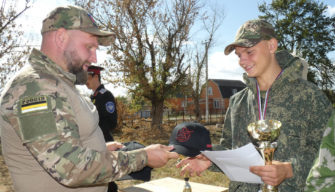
219 92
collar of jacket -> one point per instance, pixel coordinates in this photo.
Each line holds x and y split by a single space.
293 69
42 62
97 90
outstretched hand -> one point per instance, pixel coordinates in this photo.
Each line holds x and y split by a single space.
159 155
194 165
273 174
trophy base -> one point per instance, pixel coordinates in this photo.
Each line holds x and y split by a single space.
269 188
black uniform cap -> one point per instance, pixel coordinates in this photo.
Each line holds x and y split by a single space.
94 70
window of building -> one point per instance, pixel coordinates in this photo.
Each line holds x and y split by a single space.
183 104
216 104
210 91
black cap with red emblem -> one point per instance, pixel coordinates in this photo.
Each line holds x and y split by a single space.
190 138
92 69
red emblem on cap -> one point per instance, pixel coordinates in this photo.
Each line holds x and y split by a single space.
184 134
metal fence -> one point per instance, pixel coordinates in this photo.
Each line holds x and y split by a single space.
214 116
176 117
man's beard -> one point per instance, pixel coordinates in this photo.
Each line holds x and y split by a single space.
75 66
81 78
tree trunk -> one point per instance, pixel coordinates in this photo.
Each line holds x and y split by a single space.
197 109
157 113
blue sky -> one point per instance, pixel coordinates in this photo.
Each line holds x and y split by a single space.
220 66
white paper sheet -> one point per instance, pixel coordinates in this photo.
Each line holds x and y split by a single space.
235 163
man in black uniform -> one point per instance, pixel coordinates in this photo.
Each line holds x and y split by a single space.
106 106
104 102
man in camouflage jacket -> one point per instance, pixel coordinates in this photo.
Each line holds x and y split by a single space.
298 104
322 175
50 136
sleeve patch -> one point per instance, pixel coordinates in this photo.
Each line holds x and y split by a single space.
36 118
110 107
33 104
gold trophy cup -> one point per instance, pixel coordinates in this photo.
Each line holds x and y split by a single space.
264 133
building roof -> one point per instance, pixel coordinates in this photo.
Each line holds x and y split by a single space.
228 87
228 83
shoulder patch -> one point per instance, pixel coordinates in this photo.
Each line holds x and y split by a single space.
102 91
110 107
33 104
36 118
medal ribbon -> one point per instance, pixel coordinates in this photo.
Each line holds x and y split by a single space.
261 113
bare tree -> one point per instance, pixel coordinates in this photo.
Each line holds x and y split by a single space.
149 50
211 22
12 51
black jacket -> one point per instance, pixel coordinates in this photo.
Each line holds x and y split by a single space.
106 106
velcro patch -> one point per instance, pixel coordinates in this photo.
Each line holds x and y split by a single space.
110 107
36 118
33 104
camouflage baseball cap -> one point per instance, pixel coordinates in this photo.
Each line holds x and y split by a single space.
75 18
251 33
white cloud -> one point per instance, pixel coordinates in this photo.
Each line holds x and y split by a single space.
330 11
117 91
221 66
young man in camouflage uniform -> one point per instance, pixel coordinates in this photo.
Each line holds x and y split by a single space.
322 175
277 78
50 135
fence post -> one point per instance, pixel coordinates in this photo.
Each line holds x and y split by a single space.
183 116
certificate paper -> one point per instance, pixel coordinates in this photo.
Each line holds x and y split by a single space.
235 163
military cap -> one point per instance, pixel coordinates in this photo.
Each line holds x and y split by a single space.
190 138
92 69
75 18
251 33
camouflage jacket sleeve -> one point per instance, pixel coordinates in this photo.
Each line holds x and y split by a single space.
45 122
322 175
225 140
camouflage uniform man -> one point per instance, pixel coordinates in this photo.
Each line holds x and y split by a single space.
322 175
51 140
277 77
